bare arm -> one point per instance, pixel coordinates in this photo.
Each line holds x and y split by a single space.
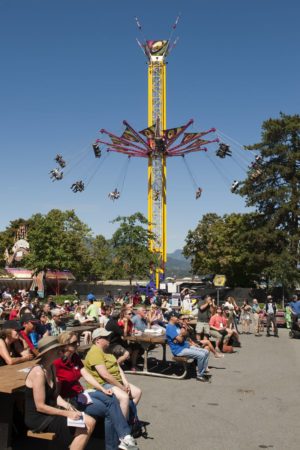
36 380
9 360
93 382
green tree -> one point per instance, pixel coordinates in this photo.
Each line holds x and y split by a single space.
225 245
58 240
131 255
273 189
101 256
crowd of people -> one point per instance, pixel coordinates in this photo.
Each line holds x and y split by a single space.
54 393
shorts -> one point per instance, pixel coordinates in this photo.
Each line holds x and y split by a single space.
216 334
203 327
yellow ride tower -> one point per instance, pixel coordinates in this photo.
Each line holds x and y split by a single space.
157 169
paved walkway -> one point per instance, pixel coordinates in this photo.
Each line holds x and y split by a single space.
252 403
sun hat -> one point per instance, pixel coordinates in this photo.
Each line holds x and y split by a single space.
12 325
100 332
48 343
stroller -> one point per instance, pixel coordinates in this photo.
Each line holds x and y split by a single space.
295 327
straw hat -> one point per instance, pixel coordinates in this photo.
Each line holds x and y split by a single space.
48 343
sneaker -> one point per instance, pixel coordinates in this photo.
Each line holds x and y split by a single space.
203 378
128 443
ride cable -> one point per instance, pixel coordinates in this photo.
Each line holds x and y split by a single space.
192 178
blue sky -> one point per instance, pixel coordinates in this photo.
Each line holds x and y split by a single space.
71 67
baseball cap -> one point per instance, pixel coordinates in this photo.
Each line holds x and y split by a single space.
91 297
174 314
27 317
100 332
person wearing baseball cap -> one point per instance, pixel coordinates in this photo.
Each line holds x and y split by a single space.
106 371
41 401
9 337
28 335
270 311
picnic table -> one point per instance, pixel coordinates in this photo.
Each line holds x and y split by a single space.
147 341
12 381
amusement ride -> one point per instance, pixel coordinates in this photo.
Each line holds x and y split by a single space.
157 143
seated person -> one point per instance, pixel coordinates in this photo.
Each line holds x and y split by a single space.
69 370
42 413
179 346
56 323
118 346
155 316
219 329
126 325
28 322
139 319
194 339
106 370
93 309
8 337
105 315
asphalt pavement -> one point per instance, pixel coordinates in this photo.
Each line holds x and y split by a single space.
253 401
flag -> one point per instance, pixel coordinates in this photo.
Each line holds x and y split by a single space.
191 136
116 141
128 134
149 132
172 133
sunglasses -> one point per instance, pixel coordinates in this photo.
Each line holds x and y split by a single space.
73 343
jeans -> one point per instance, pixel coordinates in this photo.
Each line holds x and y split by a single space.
107 406
199 354
272 319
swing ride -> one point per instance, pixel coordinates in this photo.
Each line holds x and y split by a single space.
156 143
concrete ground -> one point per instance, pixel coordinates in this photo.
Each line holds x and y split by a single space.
253 402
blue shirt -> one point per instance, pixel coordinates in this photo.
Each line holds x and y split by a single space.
139 323
295 307
172 331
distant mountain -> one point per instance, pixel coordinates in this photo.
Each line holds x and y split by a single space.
177 265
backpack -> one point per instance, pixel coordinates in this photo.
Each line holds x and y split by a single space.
138 429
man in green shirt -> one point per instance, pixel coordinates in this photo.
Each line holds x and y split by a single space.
93 311
106 370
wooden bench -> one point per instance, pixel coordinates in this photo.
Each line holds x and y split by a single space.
184 361
45 436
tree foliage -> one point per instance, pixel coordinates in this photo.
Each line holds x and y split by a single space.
131 255
58 240
275 195
225 245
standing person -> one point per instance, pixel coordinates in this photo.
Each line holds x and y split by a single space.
204 314
270 311
109 299
245 317
186 303
177 340
256 317
42 402
69 370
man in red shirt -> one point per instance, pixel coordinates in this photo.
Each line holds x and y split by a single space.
219 330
